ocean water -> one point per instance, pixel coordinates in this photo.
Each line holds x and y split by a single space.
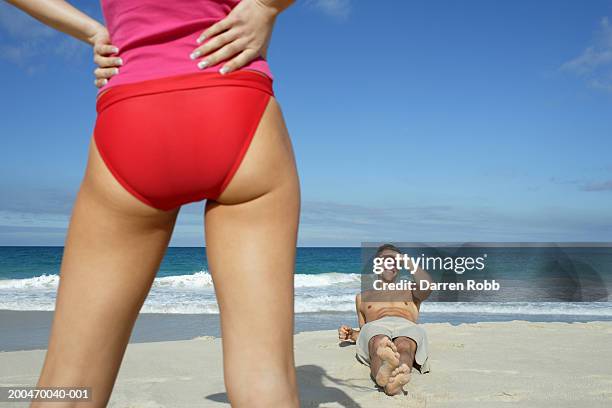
326 281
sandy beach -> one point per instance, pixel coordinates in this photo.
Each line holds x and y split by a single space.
516 363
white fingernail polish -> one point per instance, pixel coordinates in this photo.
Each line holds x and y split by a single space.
202 64
104 81
200 39
120 61
115 50
116 71
224 70
195 54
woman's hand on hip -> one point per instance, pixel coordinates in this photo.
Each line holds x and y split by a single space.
107 64
242 36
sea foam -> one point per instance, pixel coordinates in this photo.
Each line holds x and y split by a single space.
325 292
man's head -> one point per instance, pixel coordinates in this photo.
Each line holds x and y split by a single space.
388 251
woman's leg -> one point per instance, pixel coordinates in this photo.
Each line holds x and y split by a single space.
113 249
251 234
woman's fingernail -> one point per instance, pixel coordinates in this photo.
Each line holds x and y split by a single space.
195 54
116 71
202 64
119 61
224 70
115 50
104 81
200 39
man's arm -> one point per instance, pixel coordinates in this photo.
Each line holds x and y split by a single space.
360 318
419 276
346 333
360 315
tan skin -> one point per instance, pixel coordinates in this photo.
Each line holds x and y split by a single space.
391 360
115 244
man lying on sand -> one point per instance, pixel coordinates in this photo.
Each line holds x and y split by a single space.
388 339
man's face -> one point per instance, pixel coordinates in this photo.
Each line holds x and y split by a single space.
388 275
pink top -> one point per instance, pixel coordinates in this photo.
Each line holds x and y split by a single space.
155 37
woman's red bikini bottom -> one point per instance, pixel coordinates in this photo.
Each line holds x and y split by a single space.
179 139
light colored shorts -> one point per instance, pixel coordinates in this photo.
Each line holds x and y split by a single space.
392 327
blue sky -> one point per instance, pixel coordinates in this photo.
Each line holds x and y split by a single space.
416 121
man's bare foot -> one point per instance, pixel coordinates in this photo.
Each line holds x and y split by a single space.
387 351
399 377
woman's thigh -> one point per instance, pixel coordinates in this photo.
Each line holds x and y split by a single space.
251 234
112 251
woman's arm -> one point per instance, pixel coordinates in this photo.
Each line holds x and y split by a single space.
278 5
63 17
